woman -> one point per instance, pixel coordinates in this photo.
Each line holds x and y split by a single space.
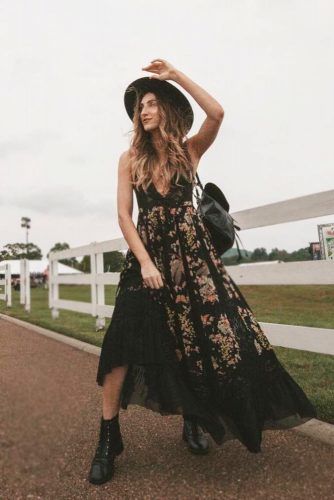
182 338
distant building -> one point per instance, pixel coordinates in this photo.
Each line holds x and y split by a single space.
315 250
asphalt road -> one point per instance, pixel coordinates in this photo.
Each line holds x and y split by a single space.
50 408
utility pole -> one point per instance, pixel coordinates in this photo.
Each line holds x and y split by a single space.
25 222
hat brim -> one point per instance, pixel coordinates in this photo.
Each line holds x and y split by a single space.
162 87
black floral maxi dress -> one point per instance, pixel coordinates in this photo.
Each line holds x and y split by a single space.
194 346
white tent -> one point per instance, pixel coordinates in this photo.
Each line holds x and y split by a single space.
39 266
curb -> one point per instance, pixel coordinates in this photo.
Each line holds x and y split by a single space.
78 344
314 428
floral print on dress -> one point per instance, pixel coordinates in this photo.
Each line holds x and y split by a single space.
181 248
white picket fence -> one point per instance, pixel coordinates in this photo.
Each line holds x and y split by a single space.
97 279
6 283
284 273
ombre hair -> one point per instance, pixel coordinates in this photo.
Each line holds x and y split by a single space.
173 130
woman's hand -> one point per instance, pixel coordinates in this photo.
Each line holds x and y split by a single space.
163 70
151 275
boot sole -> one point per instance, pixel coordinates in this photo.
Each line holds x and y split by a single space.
111 474
105 480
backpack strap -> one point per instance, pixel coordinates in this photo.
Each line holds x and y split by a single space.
199 182
197 192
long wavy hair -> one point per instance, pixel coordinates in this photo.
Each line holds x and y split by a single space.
144 158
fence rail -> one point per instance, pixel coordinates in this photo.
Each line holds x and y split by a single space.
307 272
291 210
284 273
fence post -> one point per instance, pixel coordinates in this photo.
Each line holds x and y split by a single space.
100 320
93 281
53 288
25 284
22 282
7 282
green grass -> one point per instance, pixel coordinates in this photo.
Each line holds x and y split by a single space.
315 374
308 305
78 325
82 293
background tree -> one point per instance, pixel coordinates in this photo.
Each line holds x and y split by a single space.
277 254
84 265
21 251
112 262
72 261
301 254
230 258
259 254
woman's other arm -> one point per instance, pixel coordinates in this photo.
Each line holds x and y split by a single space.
150 273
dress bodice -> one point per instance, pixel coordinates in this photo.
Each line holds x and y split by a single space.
178 193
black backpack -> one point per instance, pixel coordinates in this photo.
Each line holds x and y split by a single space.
214 209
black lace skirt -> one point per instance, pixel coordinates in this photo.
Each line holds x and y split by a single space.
256 394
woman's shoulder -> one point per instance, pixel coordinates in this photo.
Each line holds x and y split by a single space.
126 157
128 154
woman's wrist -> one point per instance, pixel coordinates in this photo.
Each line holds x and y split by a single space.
144 260
177 75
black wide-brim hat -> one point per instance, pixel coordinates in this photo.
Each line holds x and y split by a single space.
160 87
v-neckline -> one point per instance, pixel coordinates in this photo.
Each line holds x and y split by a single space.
170 188
160 194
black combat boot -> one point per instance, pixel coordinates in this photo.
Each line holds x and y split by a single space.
193 435
109 446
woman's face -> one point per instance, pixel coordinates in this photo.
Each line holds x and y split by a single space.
149 111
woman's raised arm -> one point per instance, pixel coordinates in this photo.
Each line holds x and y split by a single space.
202 140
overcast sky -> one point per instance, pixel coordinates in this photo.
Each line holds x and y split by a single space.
65 65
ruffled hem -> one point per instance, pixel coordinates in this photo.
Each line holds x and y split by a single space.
240 407
243 417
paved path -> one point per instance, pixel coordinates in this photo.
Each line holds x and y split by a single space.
49 414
